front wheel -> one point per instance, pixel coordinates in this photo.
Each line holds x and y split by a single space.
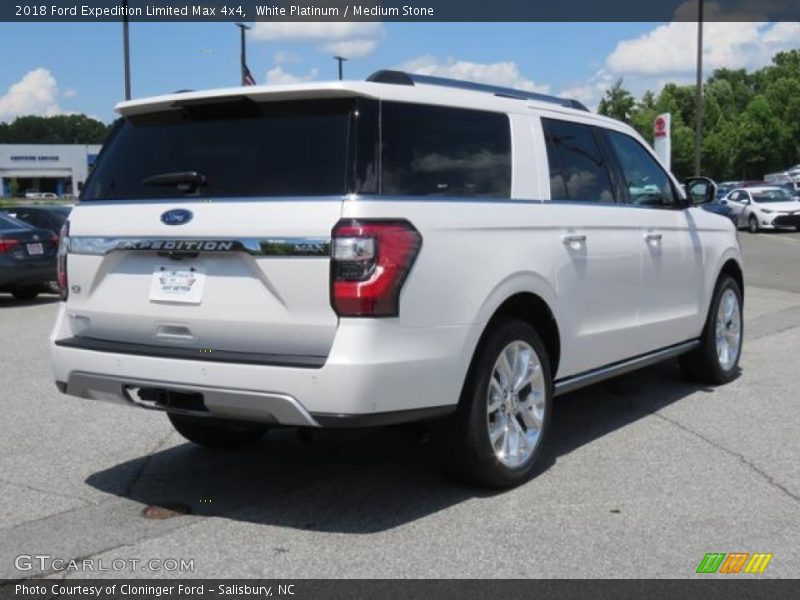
752 224
213 433
498 431
716 360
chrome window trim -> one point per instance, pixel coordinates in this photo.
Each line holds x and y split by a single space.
294 247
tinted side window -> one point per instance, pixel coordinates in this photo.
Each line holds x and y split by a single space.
433 150
578 169
646 181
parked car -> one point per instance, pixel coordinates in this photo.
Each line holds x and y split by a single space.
43 216
34 195
27 258
718 207
408 248
726 187
764 207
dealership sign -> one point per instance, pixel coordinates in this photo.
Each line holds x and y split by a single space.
662 143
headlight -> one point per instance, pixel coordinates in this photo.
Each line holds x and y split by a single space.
766 210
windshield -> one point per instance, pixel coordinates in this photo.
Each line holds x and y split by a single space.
776 195
227 149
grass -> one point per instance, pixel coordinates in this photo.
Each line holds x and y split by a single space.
31 202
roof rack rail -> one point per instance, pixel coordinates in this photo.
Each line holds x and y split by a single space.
403 78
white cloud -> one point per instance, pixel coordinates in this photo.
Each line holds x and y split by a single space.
35 94
671 49
69 93
499 73
348 39
277 76
351 48
668 53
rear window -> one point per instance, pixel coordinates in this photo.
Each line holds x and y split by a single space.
305 148
434 150
239 148
7 223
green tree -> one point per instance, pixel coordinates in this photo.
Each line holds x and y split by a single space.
60 129
617 102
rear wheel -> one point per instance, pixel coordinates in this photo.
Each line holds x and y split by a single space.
497 434
716 360
752 224
213 433
25 293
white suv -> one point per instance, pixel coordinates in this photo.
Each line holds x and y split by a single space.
366 253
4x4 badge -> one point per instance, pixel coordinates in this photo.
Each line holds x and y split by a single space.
176 216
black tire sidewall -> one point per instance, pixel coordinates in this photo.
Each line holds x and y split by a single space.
721 375
752 224
473 406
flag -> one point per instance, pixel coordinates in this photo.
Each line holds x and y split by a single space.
247 76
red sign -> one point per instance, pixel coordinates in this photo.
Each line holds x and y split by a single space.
660 127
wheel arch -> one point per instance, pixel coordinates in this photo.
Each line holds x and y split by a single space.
529 306
734 269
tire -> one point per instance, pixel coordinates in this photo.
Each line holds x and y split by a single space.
25 293
468 451
213 433
708 363
752 224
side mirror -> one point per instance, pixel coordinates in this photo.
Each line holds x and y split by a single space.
80 186
700 190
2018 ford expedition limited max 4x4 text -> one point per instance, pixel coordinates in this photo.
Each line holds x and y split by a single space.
365 253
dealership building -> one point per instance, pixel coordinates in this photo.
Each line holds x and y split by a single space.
55 168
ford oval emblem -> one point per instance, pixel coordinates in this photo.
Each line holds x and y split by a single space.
176 216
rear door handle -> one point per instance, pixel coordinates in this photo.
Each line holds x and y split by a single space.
573 240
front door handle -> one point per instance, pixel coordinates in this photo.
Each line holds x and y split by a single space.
652 238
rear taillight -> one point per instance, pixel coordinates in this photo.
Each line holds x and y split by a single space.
61 262
7 245
369 263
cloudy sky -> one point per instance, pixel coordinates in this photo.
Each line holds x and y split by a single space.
51 68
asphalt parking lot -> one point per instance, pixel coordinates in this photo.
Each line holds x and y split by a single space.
642 476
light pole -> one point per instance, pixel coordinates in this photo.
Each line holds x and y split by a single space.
243 52
341 60
126 50
698 92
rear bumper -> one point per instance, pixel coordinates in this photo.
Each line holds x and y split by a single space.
21 273
376 373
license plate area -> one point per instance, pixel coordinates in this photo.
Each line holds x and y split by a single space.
182 285
35 249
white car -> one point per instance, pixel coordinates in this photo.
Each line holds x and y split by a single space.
764 207
400 249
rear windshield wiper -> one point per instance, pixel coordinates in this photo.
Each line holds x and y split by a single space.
185 181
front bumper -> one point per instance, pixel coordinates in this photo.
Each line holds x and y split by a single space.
376 372
786 221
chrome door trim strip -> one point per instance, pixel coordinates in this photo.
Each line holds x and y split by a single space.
289 246
575 382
